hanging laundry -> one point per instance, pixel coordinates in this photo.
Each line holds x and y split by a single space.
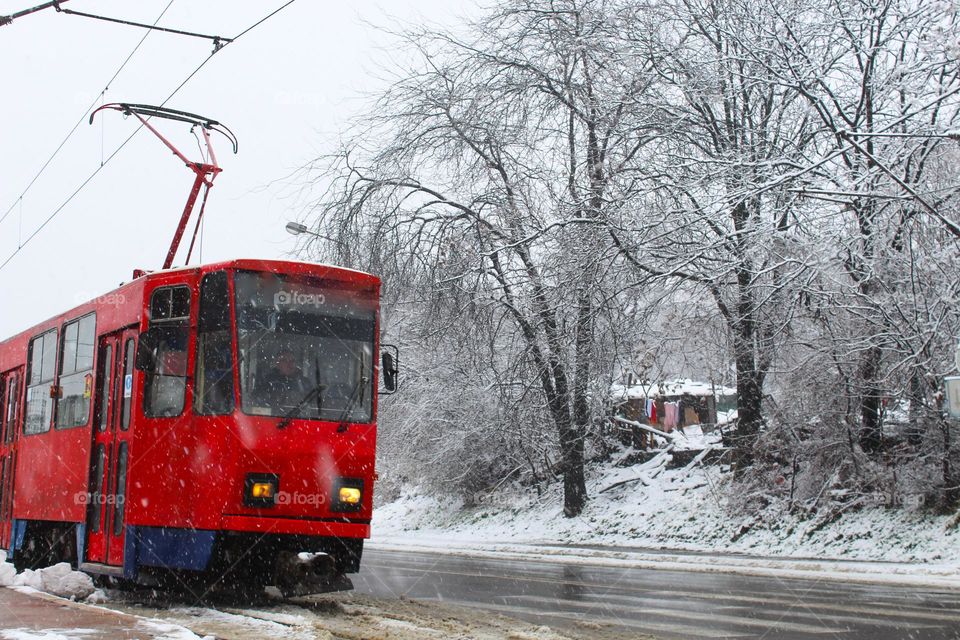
670 413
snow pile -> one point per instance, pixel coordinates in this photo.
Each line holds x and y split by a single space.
540 633
97 597
169 631
7 573
694 438
59 580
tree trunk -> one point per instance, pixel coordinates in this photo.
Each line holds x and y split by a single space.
749 374
951 483
917 395
571 449
749 406
871 429
574 486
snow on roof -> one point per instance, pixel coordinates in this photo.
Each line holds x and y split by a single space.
678 387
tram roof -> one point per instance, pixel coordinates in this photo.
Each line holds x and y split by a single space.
326 271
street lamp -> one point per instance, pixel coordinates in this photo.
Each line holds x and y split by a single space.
295 228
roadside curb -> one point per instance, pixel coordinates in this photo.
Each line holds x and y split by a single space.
864 572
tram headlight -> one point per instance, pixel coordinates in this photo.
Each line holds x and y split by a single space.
260 489
348 493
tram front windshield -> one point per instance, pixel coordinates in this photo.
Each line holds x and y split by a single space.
305 349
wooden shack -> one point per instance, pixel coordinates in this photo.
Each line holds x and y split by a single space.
667 405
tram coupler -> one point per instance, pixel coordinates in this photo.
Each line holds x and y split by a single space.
301 574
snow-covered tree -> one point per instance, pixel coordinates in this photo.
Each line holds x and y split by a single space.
570 189
487 176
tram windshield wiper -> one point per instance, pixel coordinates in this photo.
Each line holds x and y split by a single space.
316 391
355 395
290 415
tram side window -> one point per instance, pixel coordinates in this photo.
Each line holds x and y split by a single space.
105 370
214 366
3 414
42 358
76 372
165 382
3 484
120 490
170 304
12 409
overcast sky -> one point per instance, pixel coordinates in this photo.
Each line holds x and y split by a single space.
287 89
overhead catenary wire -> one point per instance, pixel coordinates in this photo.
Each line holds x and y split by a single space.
83 184
218 41
98 169
83 117
5 20
103 164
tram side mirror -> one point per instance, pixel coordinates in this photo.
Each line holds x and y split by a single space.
389 361
146 359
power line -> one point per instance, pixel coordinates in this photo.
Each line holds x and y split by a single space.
97 170
264 19
137 130
82 117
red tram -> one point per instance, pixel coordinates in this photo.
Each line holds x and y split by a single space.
214 420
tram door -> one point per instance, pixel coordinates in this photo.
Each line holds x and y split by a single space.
11 385
110 457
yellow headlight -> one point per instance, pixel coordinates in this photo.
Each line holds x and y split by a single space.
261 490
350 495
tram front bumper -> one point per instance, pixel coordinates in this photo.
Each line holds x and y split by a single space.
332 528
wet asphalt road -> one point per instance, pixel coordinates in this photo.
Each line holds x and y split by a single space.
665 604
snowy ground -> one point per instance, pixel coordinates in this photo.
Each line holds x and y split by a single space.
346 616
172 616
342 616
680 510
